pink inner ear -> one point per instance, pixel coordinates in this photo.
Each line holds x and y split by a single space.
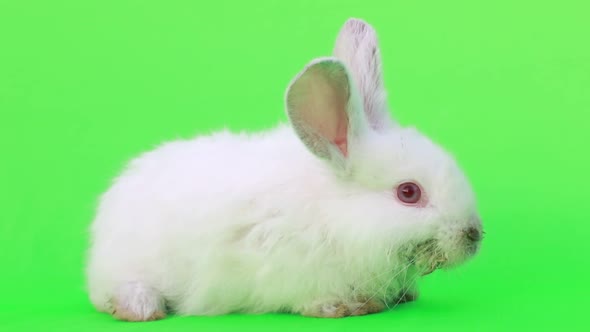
342 145
330 95
341 141
319 100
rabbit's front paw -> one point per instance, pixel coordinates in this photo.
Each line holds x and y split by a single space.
365 307
343 309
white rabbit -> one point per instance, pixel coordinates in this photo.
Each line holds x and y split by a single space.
335 215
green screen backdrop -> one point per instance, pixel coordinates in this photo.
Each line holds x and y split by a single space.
504 85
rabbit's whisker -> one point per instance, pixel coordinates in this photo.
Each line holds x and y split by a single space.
384 287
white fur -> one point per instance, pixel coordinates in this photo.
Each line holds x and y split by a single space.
257 223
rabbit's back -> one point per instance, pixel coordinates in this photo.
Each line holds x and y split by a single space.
176 208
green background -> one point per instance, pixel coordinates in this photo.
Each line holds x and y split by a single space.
504 85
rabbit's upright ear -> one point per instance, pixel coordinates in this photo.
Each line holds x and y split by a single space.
325 110
357 47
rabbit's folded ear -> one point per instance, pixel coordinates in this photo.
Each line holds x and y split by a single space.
357 47
325 110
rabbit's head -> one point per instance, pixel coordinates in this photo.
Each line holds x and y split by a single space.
411 189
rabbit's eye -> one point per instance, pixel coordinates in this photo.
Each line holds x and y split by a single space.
409 192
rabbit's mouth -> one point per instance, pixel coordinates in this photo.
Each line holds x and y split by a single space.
433 254
427 256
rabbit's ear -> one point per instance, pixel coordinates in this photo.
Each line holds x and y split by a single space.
325 111
357 47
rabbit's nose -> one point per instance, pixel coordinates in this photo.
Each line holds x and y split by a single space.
473 234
